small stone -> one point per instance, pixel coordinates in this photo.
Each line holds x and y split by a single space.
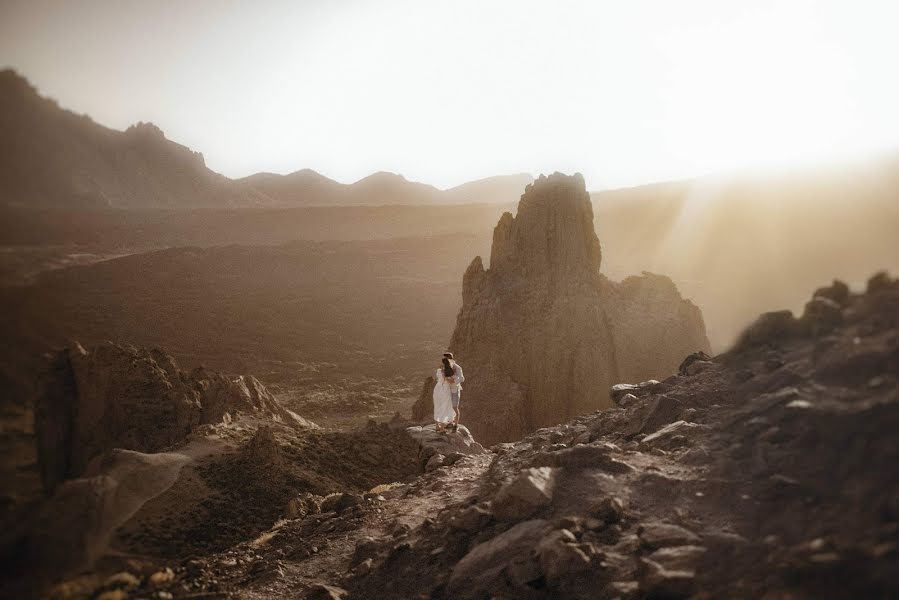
435 462
658 582
799 404
877 382
162 577
824 558
123 580
699 366
472 519
627 400
665 435
689 361
624 589
558 556
678 558
364 567
322 591
610 510
366 548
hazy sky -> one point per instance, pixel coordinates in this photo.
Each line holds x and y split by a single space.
443 92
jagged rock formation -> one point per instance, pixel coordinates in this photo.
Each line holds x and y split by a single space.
136 399
542 335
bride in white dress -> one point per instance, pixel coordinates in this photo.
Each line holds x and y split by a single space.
443 404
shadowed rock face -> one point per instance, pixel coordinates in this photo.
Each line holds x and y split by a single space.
123 397
542 334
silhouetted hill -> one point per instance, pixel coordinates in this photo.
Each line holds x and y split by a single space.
53 157
308 188
301 188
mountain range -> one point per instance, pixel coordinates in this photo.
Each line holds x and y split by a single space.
52 157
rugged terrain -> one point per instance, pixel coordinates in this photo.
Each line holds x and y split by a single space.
762 472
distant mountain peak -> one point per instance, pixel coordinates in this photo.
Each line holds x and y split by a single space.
12 82
146 129
383 177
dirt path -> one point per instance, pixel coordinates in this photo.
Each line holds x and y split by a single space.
335 538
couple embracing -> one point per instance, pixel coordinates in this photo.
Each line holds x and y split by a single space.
447 392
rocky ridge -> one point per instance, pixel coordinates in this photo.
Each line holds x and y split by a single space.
764 472
135 399
542 334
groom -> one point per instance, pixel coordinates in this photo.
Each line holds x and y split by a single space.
455 385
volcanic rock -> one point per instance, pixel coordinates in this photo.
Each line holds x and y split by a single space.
122 397
542 335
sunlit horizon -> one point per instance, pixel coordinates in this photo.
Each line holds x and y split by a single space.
445 94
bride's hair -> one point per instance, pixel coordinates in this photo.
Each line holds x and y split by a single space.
447 368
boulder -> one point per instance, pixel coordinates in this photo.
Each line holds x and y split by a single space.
653 414
696 356
478 574
449 445
644 388
528 492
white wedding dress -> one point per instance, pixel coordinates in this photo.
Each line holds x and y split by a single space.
443 403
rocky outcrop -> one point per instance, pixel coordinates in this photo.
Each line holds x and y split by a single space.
768 473
436 449
542 335
115 396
